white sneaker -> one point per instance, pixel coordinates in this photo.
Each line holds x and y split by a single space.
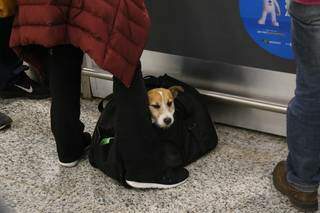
69 165
171 178
87 140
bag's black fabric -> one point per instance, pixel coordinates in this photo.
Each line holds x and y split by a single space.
191 136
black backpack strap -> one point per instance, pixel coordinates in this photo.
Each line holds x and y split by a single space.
152 82
102 104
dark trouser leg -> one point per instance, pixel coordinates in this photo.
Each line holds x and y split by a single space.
10 64
304 110
139 146
64 68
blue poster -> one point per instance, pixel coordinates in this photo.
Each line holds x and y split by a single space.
269 25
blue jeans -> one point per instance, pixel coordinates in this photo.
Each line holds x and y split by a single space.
10 64
303 118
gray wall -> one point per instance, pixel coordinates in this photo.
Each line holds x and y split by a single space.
210 30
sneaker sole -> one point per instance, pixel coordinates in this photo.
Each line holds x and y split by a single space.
69 165
297 204
140 185
75 163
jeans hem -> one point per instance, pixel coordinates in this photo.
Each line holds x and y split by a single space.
303 187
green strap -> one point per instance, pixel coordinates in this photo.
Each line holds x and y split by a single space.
106 141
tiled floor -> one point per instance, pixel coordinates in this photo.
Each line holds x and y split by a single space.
236 177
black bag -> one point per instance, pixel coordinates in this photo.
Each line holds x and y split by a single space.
191 136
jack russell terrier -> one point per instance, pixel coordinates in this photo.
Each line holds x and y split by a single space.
161 105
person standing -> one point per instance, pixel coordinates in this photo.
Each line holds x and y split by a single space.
298 177
113 34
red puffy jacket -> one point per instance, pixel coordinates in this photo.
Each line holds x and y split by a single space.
112 32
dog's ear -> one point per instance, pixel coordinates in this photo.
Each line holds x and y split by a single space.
175 90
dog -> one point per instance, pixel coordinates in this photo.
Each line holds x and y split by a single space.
271 7
161 105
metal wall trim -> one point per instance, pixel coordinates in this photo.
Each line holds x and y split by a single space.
239 100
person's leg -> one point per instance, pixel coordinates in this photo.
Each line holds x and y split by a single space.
299 176
14 82
64 68
10 64
133 128
139 145
303 123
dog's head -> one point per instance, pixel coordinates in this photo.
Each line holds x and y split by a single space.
161 105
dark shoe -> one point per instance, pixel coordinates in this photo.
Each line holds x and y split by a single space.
306 201
24 87
172 178
5 121
87 142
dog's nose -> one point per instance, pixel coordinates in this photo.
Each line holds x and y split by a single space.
167 121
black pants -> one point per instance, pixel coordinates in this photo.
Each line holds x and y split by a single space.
10 64
139 146
64 68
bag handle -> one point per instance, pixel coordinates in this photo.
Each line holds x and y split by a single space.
102 104
152 81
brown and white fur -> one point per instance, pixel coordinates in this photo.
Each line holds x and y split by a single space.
161 105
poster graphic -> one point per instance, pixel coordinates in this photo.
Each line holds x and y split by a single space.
269 25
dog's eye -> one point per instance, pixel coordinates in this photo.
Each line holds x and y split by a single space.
156 106
169 104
